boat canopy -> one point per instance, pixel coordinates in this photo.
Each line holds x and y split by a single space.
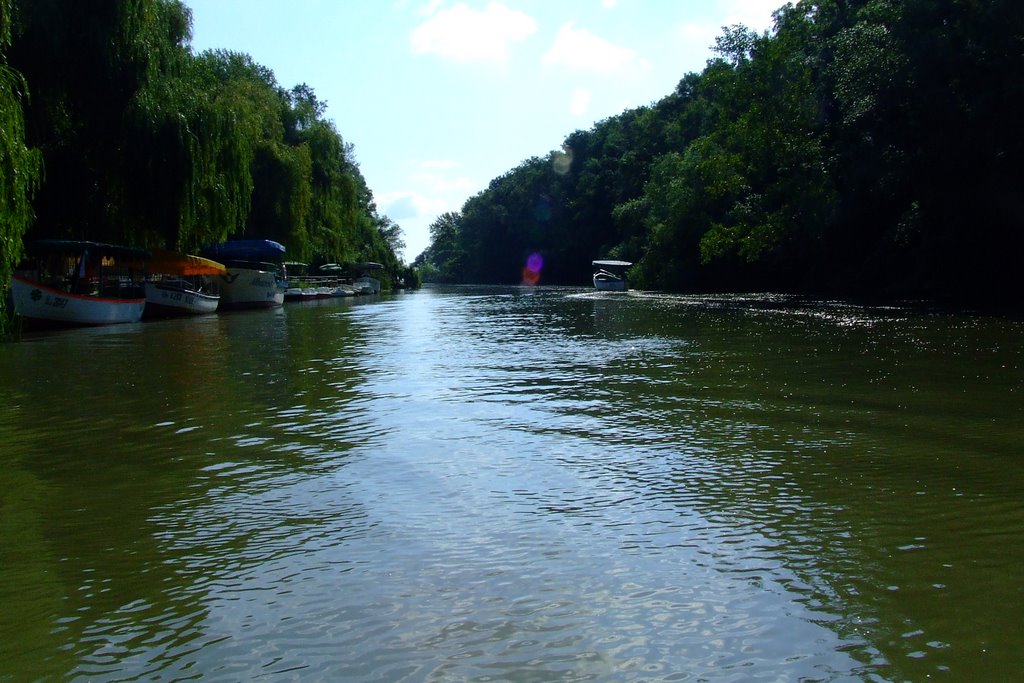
173 263
245 250
296 268
612 264
42 247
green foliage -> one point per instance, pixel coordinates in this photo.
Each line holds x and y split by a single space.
335 198
20 167
444 259
85 65
201 128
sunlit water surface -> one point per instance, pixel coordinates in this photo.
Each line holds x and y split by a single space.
516 484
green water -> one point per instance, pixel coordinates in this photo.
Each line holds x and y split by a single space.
516 484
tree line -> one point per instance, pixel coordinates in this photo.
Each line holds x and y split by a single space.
860 147
113 130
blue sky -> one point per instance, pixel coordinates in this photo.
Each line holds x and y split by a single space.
439 97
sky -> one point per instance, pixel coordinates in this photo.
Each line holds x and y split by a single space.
439 97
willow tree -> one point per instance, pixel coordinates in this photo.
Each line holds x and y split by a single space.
20 167
282 195
334 195
85 63
335 206
205 122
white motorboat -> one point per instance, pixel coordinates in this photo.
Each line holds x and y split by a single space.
178 297
610 276
255 277
180 284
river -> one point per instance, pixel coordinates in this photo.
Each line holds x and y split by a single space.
516 484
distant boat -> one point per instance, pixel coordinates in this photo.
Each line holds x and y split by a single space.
180 284
366 283
80 283
610 276
255 276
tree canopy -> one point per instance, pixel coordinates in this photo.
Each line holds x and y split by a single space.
860 147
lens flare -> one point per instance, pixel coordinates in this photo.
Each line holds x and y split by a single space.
561 162
531 271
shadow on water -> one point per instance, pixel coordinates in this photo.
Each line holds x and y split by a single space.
116 440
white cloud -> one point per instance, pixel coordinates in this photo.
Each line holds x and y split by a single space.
578 48
464 34
432 187
439 176
697 38
426 189
580 102
430 7
402 205
754 14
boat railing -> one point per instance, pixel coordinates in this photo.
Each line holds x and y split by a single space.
314 281
200 284
601 272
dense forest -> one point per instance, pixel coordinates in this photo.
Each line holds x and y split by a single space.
860 147
113 130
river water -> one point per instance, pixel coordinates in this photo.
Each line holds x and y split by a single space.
486 484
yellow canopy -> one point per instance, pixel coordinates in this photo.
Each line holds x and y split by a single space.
173 263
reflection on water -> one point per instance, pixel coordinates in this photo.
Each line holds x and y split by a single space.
515 484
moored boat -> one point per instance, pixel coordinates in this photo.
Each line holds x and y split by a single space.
181 284
301 285
365 283
610 276
255 276
71 282
334 283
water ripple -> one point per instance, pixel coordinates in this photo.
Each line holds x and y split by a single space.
519 484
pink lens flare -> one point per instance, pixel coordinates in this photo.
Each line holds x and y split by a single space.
531 271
